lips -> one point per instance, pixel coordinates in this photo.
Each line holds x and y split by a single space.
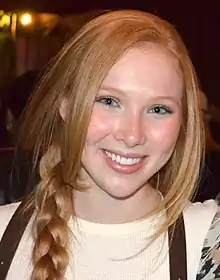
125 164
122 159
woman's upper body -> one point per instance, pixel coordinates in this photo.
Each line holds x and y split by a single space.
118 251
114 120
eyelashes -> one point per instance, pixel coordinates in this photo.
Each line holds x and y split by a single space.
108 101
160 109
112 102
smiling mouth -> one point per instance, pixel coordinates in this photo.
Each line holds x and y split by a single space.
122 160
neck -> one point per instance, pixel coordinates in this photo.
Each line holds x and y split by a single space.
100 207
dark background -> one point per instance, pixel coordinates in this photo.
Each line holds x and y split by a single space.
197 22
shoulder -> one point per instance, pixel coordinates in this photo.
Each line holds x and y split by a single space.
198 218
194 211
6 213
210 206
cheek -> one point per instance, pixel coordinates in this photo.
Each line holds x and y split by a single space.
99 127
165 134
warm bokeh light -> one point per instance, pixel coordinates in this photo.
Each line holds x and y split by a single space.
4 20
26 19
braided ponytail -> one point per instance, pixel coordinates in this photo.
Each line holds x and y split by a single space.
54 205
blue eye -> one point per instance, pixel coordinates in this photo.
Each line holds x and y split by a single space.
160 110
108 101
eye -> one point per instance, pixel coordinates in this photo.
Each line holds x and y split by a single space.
160 110
108 101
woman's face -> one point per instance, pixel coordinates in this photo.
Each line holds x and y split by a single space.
135 122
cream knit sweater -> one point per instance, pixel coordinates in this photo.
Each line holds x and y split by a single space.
116 252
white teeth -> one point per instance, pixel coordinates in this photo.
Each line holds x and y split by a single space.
118 159
123 160
113 156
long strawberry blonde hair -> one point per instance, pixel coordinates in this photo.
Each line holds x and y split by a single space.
75 76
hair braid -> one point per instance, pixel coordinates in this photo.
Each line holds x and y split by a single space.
54 206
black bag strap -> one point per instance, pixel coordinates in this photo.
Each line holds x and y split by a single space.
177 253
18 223
11 238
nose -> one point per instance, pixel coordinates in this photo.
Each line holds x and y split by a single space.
130 130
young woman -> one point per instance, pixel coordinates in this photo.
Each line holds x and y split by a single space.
117 128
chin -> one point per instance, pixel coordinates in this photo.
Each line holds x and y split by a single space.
121 193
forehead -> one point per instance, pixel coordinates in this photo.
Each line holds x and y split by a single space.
148 68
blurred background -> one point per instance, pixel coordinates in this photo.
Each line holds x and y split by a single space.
31 34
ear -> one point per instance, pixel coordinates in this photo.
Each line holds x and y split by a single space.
63 109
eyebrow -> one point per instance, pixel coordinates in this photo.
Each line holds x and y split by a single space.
170 98
112 89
